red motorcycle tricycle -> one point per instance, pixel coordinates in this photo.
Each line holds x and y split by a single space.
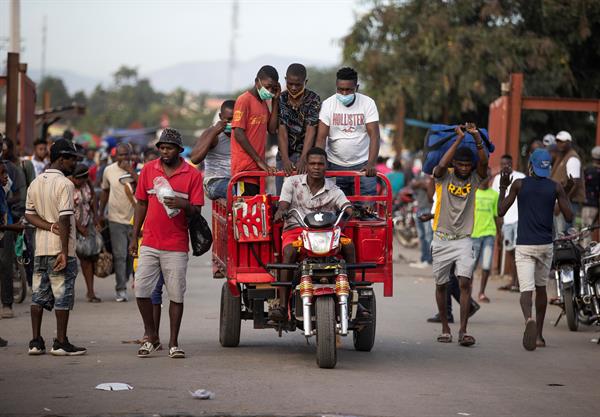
323 301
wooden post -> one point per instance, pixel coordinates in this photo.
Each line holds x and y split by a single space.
598 125
514 114
12 95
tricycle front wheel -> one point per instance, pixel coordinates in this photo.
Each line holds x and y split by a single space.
326 348
230 318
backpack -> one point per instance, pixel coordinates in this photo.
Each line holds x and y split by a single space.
438 140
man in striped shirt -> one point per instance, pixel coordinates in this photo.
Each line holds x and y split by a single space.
50 208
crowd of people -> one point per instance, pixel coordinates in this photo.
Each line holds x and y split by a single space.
142 205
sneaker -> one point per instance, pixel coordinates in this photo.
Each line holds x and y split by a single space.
66 349
37 346
7 312
121 296
418 265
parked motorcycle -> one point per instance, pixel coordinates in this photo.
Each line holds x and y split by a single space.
571 264
404 213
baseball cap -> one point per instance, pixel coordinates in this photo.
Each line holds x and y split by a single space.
564 136
171 136
541 161
549 139
63 147
596 152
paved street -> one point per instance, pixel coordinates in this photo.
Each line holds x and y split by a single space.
407 374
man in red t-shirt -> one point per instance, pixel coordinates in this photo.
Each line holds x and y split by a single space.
251 121
163 209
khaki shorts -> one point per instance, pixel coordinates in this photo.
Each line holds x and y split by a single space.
446 253
151 263
533 265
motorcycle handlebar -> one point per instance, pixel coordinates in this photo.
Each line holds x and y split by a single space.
577 235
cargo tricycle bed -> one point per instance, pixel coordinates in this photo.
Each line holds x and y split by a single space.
323 301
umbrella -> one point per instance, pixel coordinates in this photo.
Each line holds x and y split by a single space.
88 140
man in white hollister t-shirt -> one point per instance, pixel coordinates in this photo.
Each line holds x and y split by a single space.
349 126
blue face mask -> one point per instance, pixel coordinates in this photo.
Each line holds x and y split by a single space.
263 93
345 99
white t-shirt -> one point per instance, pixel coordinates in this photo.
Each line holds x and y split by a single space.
348 142
574 167
512 215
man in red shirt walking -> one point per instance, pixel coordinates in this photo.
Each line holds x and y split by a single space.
251 121
169 191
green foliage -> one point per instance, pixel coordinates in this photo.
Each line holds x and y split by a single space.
322 81
130 101
447 58
58 92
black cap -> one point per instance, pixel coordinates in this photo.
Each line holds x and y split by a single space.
171 136
63 147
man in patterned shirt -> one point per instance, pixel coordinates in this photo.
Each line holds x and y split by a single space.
298 121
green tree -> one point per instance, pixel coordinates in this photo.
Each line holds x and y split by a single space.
322 81
59 96
444 60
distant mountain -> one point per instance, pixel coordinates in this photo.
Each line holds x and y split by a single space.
73 80
212 76
196 76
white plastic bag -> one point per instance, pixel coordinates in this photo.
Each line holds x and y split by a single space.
163 189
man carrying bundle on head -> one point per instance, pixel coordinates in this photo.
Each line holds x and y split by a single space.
453 224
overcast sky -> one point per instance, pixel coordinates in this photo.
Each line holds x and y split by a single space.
95 37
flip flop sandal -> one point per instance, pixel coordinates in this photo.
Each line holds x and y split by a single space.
506 287
176 353
466 340
147 348
540 343
94 300
530 335
514 288
445 338
484 299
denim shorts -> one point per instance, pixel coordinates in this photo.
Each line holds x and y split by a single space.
368 185
483 248
216 188
53 289
509 233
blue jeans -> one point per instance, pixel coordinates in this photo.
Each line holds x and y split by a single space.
483 248
368 185
217 188
425 237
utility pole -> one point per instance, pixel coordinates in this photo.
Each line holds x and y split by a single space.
15 27
44 37
234 25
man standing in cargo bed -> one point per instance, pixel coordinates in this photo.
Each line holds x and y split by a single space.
453 224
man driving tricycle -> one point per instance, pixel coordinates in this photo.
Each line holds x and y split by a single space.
301 195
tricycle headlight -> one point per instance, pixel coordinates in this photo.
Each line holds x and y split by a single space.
318 242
